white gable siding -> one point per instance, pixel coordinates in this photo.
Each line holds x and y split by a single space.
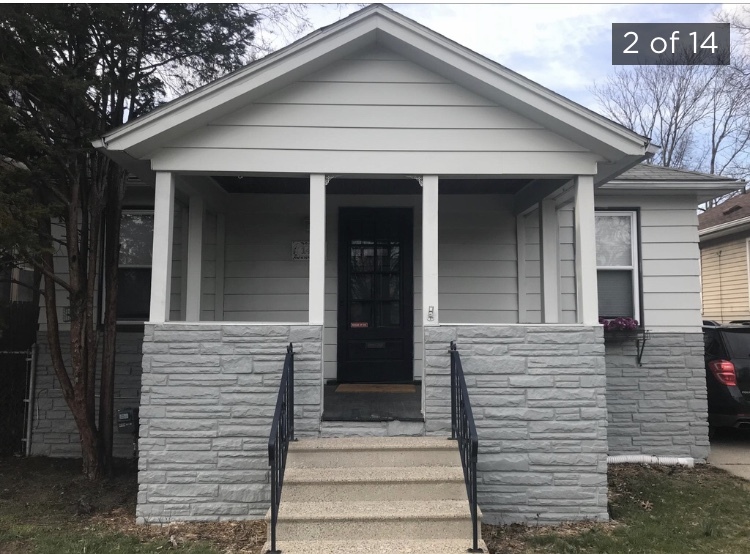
670 259
375 113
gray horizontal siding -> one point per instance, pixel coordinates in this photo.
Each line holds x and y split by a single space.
670 259
261 281
375 115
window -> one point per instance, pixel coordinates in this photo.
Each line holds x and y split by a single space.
617 264
134 274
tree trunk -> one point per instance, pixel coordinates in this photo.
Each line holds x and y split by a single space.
113 214
93 468
74 392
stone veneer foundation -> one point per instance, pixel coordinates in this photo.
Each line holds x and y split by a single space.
208 398
658 408
53 431
538 395
541 395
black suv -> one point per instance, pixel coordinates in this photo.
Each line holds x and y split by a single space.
728 374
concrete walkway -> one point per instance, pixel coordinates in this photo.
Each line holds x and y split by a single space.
730 451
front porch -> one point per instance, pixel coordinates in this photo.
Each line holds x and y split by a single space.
309 251
491 271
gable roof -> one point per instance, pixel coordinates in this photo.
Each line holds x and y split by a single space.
136 140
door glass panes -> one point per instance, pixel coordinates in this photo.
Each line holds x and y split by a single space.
361 313
375 283
362 256
614 246
390 314
389 288
389 256
361 286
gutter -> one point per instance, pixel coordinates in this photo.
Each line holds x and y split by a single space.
724 229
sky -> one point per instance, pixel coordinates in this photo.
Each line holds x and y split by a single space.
565 47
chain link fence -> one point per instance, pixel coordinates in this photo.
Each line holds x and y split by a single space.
15 393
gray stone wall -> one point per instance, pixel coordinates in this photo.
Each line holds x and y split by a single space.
54 432
538 396
658 408
207 403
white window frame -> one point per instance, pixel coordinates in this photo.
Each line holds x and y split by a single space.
136 211
635 266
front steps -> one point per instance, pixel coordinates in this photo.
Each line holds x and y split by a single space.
373 494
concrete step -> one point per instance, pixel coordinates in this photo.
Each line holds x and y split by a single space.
373 452
374 483
372 428
445 546
416 520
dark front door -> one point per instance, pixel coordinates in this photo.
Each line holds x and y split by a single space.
375 305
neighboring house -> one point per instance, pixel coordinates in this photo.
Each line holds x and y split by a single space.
371 193
724 232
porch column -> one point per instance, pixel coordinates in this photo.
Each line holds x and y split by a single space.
548 254
317 263
585 229
195 256
161 268
430 250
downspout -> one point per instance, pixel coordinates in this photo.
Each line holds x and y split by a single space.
654 460
30 399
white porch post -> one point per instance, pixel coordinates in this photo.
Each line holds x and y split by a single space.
161 268
430 313
585 229
548 250
195 256
317 264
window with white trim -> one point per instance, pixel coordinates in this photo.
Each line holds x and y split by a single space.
617 264
134 273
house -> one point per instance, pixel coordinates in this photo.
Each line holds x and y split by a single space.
371 193
724 232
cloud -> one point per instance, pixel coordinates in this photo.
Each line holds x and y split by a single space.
564 47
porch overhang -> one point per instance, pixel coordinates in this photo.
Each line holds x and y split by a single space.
612 148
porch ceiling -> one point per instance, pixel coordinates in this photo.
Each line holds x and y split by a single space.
344 185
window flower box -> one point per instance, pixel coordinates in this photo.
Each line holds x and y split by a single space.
621 328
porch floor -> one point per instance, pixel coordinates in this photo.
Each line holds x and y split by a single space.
368 405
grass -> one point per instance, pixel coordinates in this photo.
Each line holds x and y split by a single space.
47 508
652 510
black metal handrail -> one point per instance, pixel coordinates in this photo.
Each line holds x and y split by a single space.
282 432
464 430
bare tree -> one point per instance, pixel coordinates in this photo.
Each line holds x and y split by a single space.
699 115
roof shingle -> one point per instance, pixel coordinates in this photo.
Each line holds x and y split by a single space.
737 207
